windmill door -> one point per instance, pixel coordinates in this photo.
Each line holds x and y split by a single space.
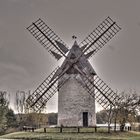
85 119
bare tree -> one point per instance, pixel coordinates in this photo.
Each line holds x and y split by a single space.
26 114
126 109
21 97
20 104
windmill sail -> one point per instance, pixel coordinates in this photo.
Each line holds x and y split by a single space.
46 90
99 90
43 93
48 38
105 89
100 36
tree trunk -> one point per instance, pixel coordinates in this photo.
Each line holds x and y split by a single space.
115 120
109 118
122 125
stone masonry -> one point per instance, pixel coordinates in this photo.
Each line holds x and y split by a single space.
73 100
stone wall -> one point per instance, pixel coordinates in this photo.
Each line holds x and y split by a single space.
73 100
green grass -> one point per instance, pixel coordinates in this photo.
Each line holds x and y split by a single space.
70 134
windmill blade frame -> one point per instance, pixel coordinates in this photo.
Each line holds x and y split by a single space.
105 89
98 89
31 100
100 36
48 39
46 90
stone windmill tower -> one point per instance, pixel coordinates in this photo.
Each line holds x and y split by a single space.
75 80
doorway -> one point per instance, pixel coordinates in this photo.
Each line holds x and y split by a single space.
85 119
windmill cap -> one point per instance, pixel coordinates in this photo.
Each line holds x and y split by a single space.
75 43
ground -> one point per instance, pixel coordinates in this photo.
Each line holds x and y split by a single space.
53 134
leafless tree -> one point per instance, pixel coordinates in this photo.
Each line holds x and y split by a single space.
21 97
126 109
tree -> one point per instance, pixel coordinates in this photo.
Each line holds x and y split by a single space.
7 117
101 117
36 119
11 118
3 110
20 101
20 104
52 118
126 109
26 114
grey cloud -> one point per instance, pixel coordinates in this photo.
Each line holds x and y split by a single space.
24 63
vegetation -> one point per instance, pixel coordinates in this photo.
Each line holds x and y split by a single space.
126 110
52 118
74 136
102 117
7 116
31 119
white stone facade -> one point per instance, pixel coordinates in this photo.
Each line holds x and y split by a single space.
73 100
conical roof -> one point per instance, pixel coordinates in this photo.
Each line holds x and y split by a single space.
82 63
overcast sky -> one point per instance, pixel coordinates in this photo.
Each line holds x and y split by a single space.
24 63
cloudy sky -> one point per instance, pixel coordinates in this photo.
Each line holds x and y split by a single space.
24 63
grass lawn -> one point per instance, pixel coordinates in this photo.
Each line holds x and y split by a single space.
53 134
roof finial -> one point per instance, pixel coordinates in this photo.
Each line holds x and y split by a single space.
74 37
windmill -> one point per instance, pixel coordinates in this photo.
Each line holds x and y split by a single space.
77 83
